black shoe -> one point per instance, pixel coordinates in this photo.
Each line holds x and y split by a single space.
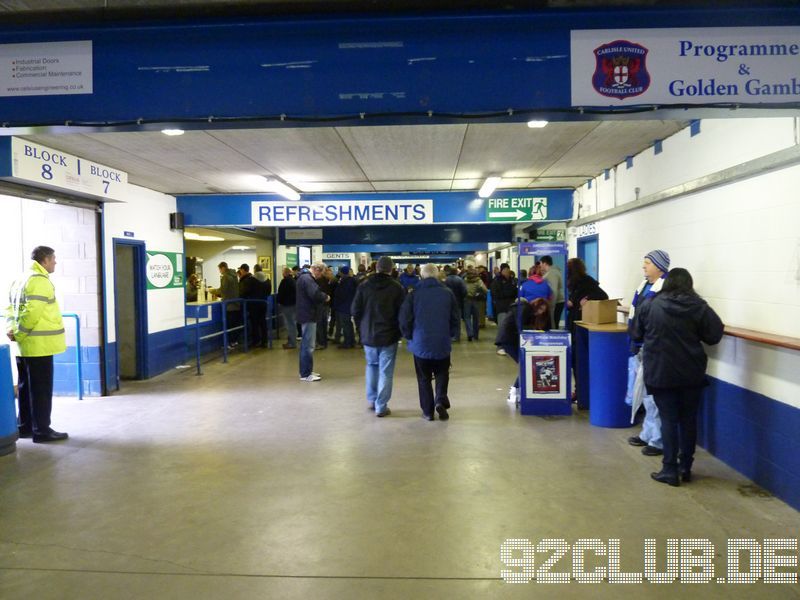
443 416
652 451
469 339
24 432
668 478
686 476
636 441
49 436
427 417
384 413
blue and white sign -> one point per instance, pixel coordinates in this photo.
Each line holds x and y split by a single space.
353 212
620 67
53 169
328 211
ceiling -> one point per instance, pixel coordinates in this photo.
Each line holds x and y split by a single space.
368 158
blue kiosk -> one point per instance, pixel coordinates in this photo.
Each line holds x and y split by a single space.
544 356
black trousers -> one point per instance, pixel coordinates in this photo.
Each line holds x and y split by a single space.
678 410
557 314
428 369
35 391
257 315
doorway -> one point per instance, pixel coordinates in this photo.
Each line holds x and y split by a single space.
130 309
588 252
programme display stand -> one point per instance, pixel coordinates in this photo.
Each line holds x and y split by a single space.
544 373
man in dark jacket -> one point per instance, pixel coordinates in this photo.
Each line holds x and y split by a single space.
673 327
286 299
456 285
342 303
310 300
429 319
375 309
228 290
250 288
504 293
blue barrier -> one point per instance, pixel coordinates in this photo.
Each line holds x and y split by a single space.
8 412
77 351
270 318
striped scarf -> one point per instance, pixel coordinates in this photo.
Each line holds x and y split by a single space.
654 289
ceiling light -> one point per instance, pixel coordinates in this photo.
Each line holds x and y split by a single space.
190 235
52 201
489 186
172 131
240 247
537 124
280 188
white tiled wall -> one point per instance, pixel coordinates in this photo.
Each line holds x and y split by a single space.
741 241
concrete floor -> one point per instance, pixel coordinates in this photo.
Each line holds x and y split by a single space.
247 483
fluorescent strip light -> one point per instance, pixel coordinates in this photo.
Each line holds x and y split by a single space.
172 131
537 124
190 235
280 188
240 247
488 187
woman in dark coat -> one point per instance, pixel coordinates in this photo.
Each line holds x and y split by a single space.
672 327
581 287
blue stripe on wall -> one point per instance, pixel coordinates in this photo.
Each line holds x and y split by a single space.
754 434
65 372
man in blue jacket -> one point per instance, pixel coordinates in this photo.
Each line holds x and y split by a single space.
310 302
429 335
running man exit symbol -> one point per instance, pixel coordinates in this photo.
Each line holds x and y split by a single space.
516 209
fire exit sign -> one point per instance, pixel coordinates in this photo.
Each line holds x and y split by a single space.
516 209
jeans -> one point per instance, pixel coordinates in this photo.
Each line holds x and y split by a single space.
35 392
471 318
556 317
380 374
678 408
427 369
289 313
500 318
233 320
651 426
307 348
345 324
322 327
512 353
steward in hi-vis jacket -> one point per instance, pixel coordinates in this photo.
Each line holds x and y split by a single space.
33 320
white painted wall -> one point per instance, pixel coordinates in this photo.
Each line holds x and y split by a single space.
741 241
72 233
145 213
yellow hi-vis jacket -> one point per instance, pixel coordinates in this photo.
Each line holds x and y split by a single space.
33 315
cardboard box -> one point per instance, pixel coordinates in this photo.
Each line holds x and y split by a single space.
597 312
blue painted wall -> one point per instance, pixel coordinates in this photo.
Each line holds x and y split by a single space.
451 64
65 372
754 434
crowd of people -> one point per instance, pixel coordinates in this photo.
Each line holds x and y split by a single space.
377 306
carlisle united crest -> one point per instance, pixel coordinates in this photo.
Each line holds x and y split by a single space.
621 70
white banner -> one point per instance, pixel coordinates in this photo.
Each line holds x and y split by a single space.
46 69
55 169
613 67
348 212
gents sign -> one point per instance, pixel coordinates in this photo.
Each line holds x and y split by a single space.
164 270
685 66
347 212
516 209
55 169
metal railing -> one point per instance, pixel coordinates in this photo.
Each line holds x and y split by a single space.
77 351
269 317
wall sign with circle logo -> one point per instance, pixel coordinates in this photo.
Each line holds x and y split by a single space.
164 270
